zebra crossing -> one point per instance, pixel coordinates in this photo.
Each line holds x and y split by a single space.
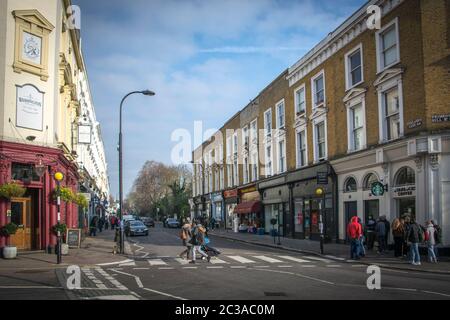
234 262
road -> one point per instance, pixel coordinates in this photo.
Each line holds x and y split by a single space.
241 272
244 272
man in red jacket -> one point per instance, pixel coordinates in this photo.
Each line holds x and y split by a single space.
354 232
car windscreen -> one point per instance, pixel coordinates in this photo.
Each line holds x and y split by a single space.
136 224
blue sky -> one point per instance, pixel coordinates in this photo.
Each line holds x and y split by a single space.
205 59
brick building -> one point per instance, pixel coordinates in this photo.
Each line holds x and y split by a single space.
364 107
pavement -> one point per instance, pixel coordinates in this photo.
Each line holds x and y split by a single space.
337 252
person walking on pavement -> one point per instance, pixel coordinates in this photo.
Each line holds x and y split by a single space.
362 240
185 236
430 239
93 227
370 232
386 236
354 232
106 224
101 223
380 229
437 237
415 236
398 232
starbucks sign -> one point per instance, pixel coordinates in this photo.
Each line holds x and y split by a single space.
377 189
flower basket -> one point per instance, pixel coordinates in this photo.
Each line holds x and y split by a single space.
8 230
66 194
11 190
61 227
81 201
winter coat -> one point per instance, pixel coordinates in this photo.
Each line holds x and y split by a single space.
381 228
370 226
354 229
431 232
413 233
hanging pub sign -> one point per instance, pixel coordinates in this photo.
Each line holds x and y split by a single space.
322 178
378 189
29 107
404 191
84 133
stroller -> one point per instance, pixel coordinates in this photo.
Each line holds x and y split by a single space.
210 251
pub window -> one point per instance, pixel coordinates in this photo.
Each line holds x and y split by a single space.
24 173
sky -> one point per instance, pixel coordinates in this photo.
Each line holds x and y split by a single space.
204 59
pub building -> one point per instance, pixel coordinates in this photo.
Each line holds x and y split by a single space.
230 198
33 167
249 210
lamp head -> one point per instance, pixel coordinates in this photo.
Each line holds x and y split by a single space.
319 191
148 93
59 176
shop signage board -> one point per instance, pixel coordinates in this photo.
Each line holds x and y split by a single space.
230 194
84 134
404 191
74 238
322 178
377 189
29 108
438 118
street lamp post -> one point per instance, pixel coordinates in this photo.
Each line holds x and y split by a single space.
321 192
58 177
146 93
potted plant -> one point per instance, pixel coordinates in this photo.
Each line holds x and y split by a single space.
11 190
61 228
9 252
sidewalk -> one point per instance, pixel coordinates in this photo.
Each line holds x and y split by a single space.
334 251
93 251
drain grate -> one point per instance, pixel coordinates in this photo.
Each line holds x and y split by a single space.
275 294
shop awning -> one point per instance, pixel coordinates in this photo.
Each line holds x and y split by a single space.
248 207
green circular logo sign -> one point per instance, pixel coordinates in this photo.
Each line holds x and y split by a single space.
377 189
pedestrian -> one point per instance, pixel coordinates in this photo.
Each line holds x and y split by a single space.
354 232
398 232
437 237
197 240
362 240
101 223
213 223
370 232
380 229
431 241
106 224
414 237
386 236
185 236
93 227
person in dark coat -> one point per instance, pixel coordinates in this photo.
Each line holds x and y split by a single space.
93 227
388 228
370 232
380 229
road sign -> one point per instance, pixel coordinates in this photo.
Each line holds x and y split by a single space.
377 189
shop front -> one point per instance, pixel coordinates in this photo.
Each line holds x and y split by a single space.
275 202
249 210
230 200
309 205
217 207
35 211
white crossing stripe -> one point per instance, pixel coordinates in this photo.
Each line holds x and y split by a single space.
182 261
268 259
215 260
241 259
318 259
157 262
128 264
294 259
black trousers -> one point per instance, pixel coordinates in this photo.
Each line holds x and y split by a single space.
398 247
370 240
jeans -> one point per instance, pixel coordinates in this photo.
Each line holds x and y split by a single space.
431 253
354 248
415 256
362 249
199 249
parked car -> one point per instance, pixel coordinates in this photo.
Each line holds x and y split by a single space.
172 223
135 228
149 222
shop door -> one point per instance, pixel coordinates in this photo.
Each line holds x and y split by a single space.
21 216
406 206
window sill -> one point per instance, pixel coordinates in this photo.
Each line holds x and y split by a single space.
347 89
380 71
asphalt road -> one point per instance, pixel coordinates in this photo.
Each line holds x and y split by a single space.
241 272
247 272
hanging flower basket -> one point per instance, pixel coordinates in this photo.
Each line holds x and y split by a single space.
61 227
11 190
81 201
66 194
